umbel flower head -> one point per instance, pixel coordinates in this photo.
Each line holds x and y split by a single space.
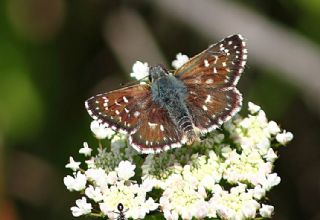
227 175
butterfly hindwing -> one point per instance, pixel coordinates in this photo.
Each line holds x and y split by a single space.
211 107
156 132
120 109
220 65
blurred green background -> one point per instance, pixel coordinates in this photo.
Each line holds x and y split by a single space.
54 54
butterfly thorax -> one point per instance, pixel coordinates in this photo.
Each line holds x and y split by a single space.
170 94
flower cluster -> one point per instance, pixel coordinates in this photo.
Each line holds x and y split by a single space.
226 175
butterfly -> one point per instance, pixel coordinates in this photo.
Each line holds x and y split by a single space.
173 109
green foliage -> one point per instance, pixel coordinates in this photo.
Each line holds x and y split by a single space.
21 110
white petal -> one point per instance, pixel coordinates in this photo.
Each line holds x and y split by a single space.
73 165
284 138
125 170
140 70
86 150
82 207
180 60
266 211
253 108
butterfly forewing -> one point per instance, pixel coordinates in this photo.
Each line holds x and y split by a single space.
156 132
120 109
220 65
132 110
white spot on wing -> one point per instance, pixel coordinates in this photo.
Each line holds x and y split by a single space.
125 99
205 108
206 63
161 128
152 125
136 114
215 70
209 81
117 112
208 99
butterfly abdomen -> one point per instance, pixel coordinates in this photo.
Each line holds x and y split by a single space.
170 93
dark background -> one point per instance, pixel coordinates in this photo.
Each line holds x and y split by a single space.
54 54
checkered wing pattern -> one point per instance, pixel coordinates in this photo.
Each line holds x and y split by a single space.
131 110
211 77
120 109
220 65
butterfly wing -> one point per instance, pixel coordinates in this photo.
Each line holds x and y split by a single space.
156 132
209 108
210 78
120 109
132 110
220 65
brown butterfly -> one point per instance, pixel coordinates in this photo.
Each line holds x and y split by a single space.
174 109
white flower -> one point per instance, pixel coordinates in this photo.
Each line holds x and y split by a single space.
73 165
253 108
180 60
249 209
151 205
112 177
284 137
125 170
273 128
183 198
266 211
140 70
133 198
148 184
101 131
246 167
170 215
94 193
258 192
76 183
270 181
237 204
82 207
86 150
98 176
90 163
271 156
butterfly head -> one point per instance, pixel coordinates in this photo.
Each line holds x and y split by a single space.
157 72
